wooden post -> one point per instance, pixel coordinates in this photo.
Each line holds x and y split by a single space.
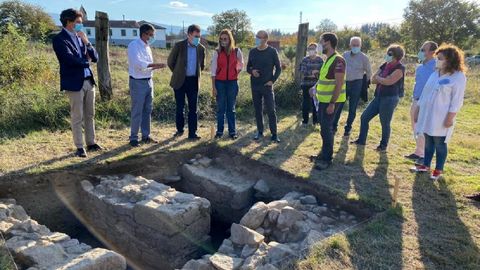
102 35
302 39
395 192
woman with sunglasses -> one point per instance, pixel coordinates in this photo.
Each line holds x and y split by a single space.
389 80
227 62
438 106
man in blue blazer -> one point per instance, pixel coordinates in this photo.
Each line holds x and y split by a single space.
74 53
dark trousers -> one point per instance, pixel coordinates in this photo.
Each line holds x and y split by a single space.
189 89
383 106
354 89
226 98
307 105
434 144
326 131
260 94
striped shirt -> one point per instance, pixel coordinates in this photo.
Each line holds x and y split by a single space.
307 66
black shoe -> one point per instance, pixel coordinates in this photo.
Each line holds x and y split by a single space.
357 142
194 137
94 147
322 165
275 138
258 136
218 136
148 140
134 143
475 197
178 134
233 136
81 153
381 148
419 161
413 156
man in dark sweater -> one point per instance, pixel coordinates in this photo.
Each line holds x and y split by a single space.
264 68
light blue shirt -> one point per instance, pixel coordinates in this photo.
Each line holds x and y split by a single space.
422 74
76 40
191 60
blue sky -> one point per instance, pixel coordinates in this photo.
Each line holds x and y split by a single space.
264 14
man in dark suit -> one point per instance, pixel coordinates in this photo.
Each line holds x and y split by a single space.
186 61
74 52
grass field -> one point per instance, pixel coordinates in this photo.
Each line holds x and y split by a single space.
433 227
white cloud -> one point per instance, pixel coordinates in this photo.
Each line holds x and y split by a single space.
195 13
178 4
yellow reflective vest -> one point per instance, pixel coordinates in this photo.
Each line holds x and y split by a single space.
326 87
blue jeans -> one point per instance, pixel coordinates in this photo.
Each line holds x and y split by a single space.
226 98
434 144
354 89
141 92
383 106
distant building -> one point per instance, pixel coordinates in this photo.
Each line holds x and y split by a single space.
122 32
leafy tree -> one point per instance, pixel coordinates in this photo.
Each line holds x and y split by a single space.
346 34
388 35
235 20
30 20
452 21
290 53
326 25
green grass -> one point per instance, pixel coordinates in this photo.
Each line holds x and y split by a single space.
6 262
434 227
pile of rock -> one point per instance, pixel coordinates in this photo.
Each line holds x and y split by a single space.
35 247
229 192
272 235
147 221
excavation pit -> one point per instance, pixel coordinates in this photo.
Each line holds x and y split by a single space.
228 182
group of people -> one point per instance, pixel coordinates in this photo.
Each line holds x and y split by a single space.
329 79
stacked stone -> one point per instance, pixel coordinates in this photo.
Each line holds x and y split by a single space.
35 247
147 221
270 236
230 193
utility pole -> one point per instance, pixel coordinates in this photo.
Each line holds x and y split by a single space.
183 23
301 13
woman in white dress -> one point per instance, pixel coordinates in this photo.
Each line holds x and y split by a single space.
439 104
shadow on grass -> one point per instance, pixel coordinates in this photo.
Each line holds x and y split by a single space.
444 240
378 245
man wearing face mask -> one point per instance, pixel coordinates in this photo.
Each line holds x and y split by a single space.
357 66
74 53
330 92
310 69
264 67
140 70
426 56
186 61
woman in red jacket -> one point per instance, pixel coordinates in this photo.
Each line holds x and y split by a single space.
227 62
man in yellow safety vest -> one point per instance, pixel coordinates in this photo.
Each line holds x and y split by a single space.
330 93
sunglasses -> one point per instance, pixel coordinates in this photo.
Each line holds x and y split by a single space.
390 54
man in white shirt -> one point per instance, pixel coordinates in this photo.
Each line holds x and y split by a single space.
140 70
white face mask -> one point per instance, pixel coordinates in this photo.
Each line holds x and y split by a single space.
440 64
312 52
320 48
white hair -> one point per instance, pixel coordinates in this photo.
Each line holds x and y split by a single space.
356 38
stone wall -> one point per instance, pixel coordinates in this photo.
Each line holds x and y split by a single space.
35 247
272 236
148 222
230 193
